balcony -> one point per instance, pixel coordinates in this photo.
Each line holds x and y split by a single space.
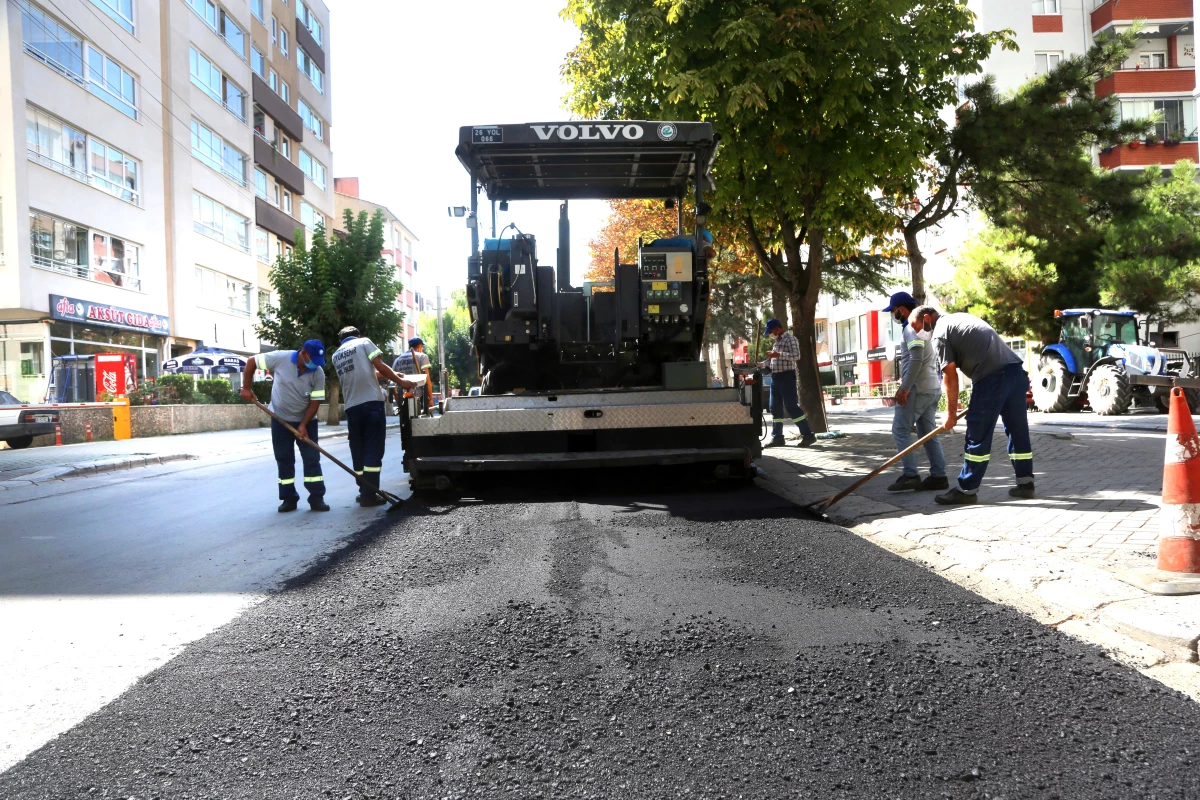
271 160
314 50
1148 81
276 109
1126 11
1145 155
270 218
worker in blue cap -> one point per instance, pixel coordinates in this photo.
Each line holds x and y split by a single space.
297 390
916 400
785 403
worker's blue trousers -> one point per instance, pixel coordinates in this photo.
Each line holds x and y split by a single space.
784 399
285 444
368 426
999 395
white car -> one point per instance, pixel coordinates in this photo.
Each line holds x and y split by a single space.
20 422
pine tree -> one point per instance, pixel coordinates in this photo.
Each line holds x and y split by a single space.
332 283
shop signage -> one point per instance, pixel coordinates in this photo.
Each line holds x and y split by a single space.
70 309
842 359
879 353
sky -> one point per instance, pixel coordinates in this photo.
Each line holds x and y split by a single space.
406 74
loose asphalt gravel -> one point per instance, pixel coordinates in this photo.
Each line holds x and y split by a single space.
628 645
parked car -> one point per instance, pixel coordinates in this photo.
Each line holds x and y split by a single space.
19 422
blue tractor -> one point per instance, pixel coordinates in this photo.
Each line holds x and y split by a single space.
1100 360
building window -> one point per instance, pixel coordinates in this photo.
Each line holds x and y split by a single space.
62 246
1044 62
64 148
51 43
273 81
287 202
256 8
846 332
309 216
311 120
207 11
1176 119
274 30
1045 7
1151 61
233 35
314 169
260 183
285 93
306 18
260 123
215 221
121 11
258 63
283 145
216 85
262 245
220 292
218 154
283 42
310 69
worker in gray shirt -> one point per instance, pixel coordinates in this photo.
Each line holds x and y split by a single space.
356 361
999 385
916 400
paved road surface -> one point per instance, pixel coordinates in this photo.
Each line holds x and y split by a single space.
583 644
104 578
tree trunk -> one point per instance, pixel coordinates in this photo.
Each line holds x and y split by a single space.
779 303
333 397
808 374
916 265
723 362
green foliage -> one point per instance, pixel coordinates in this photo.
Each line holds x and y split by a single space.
176 389
1000 279
262 390
1150 261
144 394
332 283
460 353
215 390
964 400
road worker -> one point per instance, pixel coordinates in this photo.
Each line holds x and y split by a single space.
357 362
296 393
999 385
916 400
415 362
784 355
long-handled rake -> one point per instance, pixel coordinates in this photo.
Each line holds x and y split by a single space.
396 502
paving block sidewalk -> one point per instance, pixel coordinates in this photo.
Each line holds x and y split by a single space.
1060 557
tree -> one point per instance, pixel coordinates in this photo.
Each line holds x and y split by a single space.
628 221
461 364
820 105
329 284
1150 262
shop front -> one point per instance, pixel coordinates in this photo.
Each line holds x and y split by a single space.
34 355
847 367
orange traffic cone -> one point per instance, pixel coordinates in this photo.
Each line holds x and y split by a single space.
1179 537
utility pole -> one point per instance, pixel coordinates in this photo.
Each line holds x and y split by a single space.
441 348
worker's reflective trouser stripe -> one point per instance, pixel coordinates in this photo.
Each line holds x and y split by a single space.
786 405
1000 395
284 443
368 426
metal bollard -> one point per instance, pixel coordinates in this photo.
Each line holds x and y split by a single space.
57 435
87 427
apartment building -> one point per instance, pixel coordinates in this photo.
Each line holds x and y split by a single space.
398 251
172 149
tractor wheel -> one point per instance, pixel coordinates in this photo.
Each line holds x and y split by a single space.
1051 385
1193 399
1108 390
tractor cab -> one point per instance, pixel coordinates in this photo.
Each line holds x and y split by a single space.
1088 334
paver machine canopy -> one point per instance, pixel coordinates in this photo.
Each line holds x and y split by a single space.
531 328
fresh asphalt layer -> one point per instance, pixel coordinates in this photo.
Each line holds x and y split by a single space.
615 643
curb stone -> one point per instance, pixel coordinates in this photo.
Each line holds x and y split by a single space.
1133 627
91 468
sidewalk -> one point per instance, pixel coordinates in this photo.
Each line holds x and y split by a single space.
1060 557
39 464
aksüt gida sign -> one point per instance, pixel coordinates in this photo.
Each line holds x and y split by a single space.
71 309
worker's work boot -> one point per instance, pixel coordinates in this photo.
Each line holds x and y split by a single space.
956 497
935 484
906 483
1024 491
808 441
316 504
288 505
368 500
776 443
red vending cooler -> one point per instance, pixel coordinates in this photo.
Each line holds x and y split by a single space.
116 374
